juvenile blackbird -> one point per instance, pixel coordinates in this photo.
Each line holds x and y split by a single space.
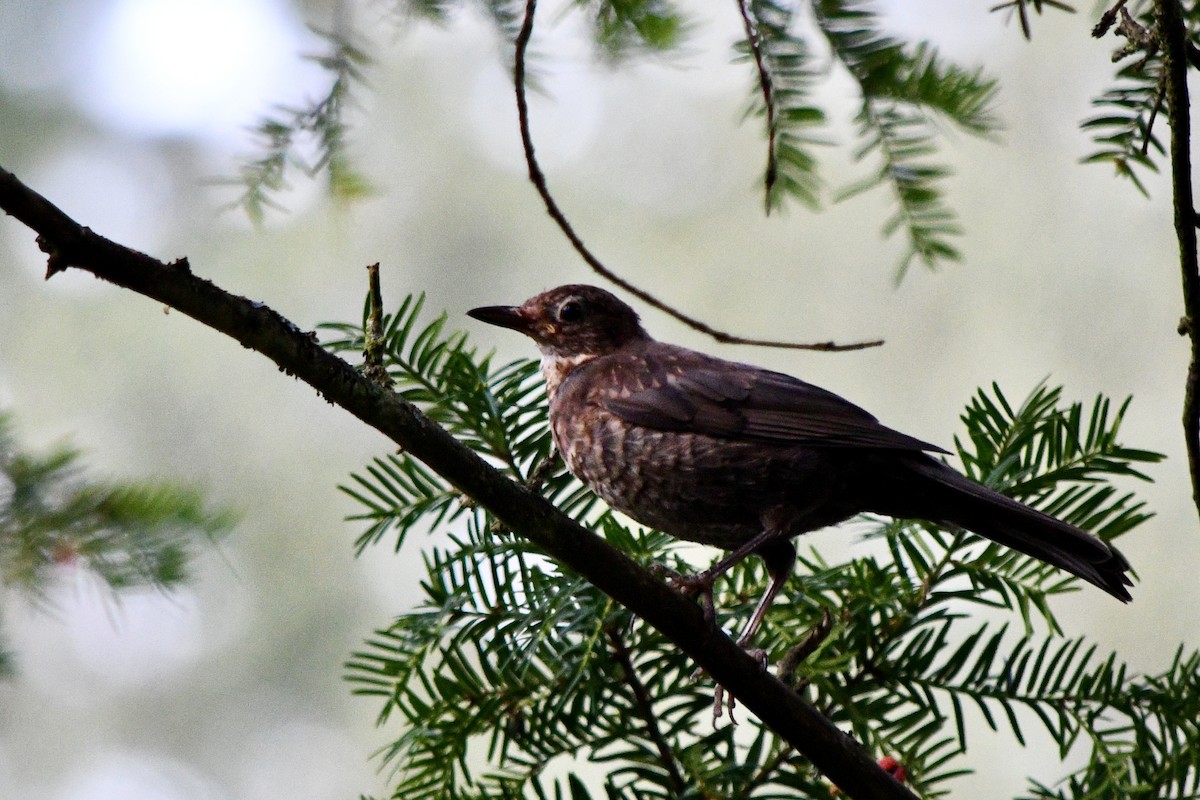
743 458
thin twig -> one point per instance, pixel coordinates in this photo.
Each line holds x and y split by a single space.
786 672
645 707
542 471
1158 102
1107 20
538 179
1139 39
1172 33
796 655
767 88
374 346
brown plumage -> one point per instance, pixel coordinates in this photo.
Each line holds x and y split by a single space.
743 458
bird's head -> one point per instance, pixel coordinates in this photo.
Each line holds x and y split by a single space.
570 321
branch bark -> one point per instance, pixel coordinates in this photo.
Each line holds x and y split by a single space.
1172 31
259 328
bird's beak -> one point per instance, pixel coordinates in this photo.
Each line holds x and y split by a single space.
504 316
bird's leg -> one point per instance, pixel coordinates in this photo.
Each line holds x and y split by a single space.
779 556
774 548
703 583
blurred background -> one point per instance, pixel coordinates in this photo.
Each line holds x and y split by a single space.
124 111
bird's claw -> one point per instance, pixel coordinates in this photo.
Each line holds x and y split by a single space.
723 700
688 585
700 585
757 653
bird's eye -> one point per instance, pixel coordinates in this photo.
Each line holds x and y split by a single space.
570 311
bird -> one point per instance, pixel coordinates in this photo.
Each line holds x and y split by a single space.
746 459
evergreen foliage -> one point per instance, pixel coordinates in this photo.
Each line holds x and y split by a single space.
512 673
900 89
1124 127
905 91
128 534
1123 130
1021 9
623 26
311 137
785 79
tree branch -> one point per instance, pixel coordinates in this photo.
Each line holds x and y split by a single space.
538 179
298 353
1172 33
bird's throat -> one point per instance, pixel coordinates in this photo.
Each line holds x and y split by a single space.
556 367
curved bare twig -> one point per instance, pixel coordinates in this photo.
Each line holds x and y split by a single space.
538 179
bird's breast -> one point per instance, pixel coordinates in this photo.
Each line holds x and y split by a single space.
699 487
692 486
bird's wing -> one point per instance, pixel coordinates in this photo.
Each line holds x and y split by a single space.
729 400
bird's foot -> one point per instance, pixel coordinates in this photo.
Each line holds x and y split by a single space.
723 700
700 585
689 585
757 653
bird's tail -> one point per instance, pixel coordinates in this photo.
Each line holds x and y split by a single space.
960 501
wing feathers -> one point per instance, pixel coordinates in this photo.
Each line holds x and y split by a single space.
746 402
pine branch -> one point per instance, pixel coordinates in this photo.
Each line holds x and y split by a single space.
783 86
878 672
1125 131
645 707
1125 134
1163 36
320 123
900 90
128 534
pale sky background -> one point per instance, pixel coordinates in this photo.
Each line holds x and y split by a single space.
120 110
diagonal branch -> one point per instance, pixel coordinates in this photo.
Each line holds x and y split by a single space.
538 179
296 352
1174 38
